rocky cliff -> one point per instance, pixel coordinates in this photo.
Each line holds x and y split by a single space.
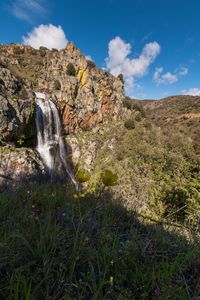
85 95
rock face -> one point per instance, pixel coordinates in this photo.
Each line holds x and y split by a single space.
85 94
17 164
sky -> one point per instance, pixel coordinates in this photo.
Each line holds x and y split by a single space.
155 44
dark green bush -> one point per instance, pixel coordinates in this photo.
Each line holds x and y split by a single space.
18 50
127 103
91 64
121 77
57 85
43 51
130 124
71 71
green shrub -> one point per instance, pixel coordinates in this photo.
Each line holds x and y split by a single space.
71 71
18 50
127 102
109 178
82 176
57 85
121 77
130 124
90 64
138 117
43 51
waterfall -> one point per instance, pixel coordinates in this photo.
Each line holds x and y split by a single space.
50 144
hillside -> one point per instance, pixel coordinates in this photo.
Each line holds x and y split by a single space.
131 230
176 114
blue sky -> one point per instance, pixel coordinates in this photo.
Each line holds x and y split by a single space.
154 43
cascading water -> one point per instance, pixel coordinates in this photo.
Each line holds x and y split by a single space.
50 144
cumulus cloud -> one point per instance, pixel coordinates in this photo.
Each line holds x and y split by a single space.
164 78
160 77
27 9
49 36
191 92
183 71
118 61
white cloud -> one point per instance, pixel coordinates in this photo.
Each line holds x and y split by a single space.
27 9
191 92
166 78
49 36
118 61
183 71
160 77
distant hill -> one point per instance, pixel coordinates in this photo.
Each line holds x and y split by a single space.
176 114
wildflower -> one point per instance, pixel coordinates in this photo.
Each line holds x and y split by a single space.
111 280
20 141
78 195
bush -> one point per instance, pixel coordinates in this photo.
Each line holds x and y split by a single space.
71 70
138 117
43 51
129 124
57 85
121 77
90 64
127 102
109 178
18 50
82 176
130 104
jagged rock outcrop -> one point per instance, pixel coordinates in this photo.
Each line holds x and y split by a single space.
85 94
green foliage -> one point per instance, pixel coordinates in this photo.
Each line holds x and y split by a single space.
109 178
71 71
82 176
43 51
121 77
18 50
91 64
57 85
133 105
138 118
89 249
130 123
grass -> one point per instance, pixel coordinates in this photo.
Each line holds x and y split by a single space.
57 245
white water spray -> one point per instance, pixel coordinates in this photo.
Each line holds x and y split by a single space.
50 144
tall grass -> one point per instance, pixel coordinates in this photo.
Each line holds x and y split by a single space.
54 245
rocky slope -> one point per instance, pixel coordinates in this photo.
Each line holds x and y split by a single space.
176 114
84 94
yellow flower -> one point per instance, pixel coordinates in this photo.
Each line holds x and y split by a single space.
20 141
82 176
111 280
109 178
